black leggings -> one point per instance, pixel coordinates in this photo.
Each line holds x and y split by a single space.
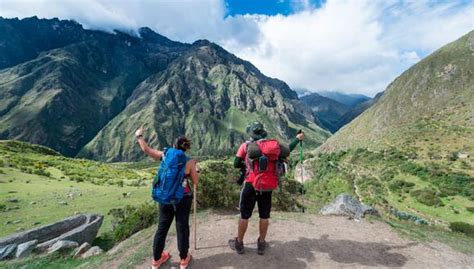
167 213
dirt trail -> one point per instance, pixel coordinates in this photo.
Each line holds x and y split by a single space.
314 242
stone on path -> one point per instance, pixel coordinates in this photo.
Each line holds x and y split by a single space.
346 205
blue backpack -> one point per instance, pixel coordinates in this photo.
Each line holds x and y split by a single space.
168 183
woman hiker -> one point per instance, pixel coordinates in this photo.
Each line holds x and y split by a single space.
179 211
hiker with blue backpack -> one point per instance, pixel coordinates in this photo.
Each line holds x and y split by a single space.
172 191
264 162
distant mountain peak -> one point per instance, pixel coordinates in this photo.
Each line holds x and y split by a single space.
202 42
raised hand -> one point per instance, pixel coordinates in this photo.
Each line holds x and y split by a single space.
300 136
139 131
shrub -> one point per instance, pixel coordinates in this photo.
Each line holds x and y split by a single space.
217 188
462 227
41 172
453 156
78 179
1 171
131 219
465 165
3 207
286 197
388 174
427 196
401 185
470 209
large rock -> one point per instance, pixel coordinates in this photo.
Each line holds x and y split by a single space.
79 228
62 246
82 249
7 251
94 251
346 205
303 172
25 249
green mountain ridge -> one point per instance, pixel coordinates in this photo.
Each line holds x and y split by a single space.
348 99
327 110
74 86
65 96
410 154
357 110
209 95
428 109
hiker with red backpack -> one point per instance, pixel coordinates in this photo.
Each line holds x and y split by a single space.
171 190
262 159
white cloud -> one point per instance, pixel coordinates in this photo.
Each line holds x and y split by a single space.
351 46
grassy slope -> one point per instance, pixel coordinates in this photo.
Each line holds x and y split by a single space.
48 192
370 176
374 173
428 109
413 134
86 186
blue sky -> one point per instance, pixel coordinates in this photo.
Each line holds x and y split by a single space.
267 7
354 46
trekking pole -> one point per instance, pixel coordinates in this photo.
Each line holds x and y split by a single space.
302 171
194 216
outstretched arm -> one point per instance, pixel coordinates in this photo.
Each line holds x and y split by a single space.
155 154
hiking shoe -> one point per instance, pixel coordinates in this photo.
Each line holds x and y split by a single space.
261 246
234 244
165 256
185 262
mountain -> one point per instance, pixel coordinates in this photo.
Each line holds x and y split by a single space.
328 111
209 95
410 154
65 95
302 92
357 110
66 87
428 110
351 100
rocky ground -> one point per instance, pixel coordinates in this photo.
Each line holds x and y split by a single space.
308 241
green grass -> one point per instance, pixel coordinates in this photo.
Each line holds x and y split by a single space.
391 179
51 262
46 193
427 234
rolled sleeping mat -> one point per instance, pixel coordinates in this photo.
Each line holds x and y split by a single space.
253 151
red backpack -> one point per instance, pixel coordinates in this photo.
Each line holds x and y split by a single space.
262 164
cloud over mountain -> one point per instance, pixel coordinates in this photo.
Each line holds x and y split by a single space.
351 46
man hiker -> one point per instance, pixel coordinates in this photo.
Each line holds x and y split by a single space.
260 156
175 171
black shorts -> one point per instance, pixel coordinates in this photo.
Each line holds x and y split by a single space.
248 198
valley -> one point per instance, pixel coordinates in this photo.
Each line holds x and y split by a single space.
70 105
